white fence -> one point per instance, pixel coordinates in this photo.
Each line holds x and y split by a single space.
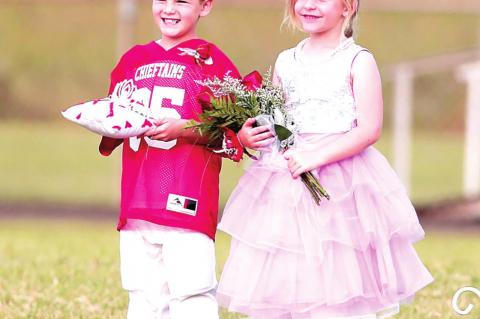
466 65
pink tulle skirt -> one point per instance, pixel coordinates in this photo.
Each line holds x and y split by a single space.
350 257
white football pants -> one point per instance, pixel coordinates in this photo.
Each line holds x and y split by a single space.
169 274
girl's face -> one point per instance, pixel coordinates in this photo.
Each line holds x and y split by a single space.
177 19
320 16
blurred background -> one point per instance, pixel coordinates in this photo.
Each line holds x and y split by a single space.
59 197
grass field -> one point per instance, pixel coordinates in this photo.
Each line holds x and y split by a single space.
59 162
70 270
56 54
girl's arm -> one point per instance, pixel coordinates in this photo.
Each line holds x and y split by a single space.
367 90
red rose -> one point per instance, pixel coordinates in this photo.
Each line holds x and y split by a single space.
204 51
252 81
202 55
204 98
233 144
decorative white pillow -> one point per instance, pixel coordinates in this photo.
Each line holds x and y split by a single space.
123 114
107 118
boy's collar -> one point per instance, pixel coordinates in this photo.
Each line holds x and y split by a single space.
190 43
199 49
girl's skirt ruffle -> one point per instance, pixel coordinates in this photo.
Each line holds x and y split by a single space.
350 257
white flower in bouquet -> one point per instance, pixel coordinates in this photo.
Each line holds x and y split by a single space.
279 117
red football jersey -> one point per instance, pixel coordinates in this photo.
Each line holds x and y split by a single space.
168 183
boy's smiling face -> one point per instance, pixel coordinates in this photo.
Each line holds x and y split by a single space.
177 19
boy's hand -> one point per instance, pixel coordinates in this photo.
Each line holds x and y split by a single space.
255 137
167 129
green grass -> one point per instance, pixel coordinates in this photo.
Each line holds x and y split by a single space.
59 270
437 161
70 270
59 162
55 162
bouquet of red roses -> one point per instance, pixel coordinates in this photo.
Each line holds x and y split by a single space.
229 102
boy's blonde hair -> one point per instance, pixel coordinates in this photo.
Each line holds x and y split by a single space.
352 7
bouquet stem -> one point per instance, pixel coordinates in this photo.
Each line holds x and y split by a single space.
316 190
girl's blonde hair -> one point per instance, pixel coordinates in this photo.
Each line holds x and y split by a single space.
352 7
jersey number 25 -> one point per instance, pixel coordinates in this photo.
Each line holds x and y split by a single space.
155 99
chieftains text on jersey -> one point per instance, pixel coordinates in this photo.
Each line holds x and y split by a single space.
162 70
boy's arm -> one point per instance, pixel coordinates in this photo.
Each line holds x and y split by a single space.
168 129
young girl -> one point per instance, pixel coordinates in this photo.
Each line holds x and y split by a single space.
351 256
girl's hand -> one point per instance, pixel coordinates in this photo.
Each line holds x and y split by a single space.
301 161
167 129
255 137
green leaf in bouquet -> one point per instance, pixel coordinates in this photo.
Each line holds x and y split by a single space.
192 124
282 132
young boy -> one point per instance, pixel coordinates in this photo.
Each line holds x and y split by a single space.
170 180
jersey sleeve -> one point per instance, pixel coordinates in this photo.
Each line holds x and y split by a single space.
108 144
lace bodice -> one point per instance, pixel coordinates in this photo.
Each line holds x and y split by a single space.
319 94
